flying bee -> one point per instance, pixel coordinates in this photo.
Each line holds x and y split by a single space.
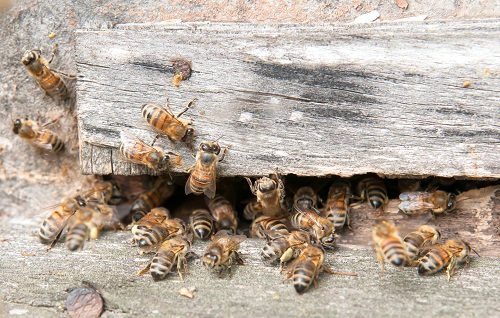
153 198
308 220
306 197
425 235
284 247
165 122
251 209
421 202
448 255
54 224
389 245
374 191
204 173
223 213
270 194
265 224
151 239
155 217
201 222
337 207
136 151
85 225
223 251
50 82
37 136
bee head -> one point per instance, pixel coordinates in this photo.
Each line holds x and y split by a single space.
189 135
16 126
210 260
266 185
210 147
452 199
328 241
30 56
138 215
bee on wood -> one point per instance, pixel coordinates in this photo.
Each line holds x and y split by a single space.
306 197
337 207
223 251
448 255
284 247
251 209
136 151
204 174
104 192
389 245
108 216
270 194
308 220
374 191
155 217
38 67
422 202
153 198
201 222
85 225
262 225
223 213
152 238
37 136
52 227
425 235
165 122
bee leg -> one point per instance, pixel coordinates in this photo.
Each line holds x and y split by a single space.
52 121
179 264
238 258
54 241
451 269
220 272
156 138
224 153
329 271
191 103
315 283
55 49
144 270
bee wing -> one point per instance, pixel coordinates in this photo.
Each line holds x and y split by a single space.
220 234
210 190
129 141
236 239
302 211
415 195
187 187
415 206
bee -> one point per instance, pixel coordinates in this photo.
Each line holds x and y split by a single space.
85 225
172 251
251 209
408 185
136 151
37 136
265 224
448 255
103 192
284 247
425 235
152 238
108 216
308 220
54 224
155 217
374 191
337 207
389 245
422 202
270 194
203 174
306 268
165 122
151 199
223 213
50 82
223 251
201 222
306 197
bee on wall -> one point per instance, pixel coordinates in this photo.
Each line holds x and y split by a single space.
223 213
50 82
165 122
251 209
201 223
153 198
424 236
374 191
136 151
151 239
262 225
421 202
337 206
448 255
284 247
155 217
306 197
37 136
308 220
223 252
204 174
270 194
389 245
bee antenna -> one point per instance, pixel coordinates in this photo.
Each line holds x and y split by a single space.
475 252
216 140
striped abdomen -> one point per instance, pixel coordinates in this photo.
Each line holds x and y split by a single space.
200 180
201 223
53 85
150 200
376 193
394 251
133 151
433 261
52 225
156 116
304 273
77 235
414 242
264 224
223 213
272 251
251 210
336 211
152 237
162 263
45 136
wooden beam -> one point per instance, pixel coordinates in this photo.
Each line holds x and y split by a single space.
341 100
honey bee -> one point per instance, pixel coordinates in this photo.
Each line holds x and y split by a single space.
172 251
224 214
103 192
153 198
284 247
308 220
201 222
136 151
54 224
425 235
37 136
389 245
306 268
203 174
223 251
337 207
155 217
422 202
50 82
151 239
85 225
265 224
165 122
448 255
251 209
306 197
374 191
408 185
108 216
270 194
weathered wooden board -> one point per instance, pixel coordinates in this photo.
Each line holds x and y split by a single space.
338 100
